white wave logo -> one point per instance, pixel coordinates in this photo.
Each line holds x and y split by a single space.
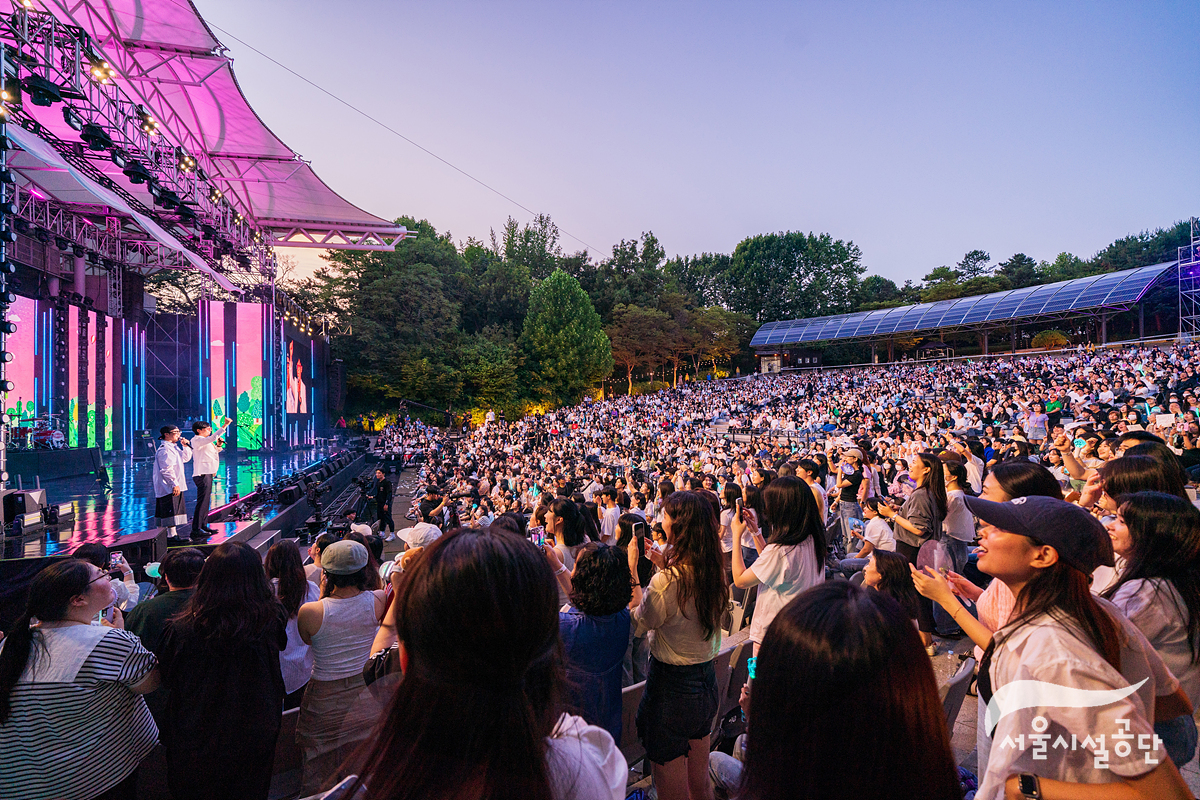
1017 695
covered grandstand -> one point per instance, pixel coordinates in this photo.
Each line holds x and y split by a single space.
793 343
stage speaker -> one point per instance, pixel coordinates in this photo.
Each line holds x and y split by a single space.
143 446
23 501
28 523
289 495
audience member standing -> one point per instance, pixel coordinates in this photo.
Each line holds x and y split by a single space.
125 587
169 482
384 492
220 661
293 588
206 459
180 568
338 712
73 725
479 713
682 609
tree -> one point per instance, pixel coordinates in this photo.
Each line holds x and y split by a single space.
1050 340
876 289
700 276
639 337
1021 271
788 275
1064 267
535 245
563 343
1143 249
974 265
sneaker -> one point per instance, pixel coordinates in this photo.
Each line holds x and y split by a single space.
391 537
931 650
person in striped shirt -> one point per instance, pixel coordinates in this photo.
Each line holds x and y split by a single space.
73 723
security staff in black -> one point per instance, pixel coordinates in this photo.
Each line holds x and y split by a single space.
383 501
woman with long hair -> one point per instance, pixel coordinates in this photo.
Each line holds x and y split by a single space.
791 560
65 685
1045 551
890 573
1157 535
918 524
479 713
285 571
566 525
842 667
220 661
682 606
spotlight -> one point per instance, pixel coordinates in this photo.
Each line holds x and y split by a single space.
7 327
78 251
207 232
146 121
96 138
7 235
7 386
72 119
184 161
186 214
7 177
7 267
11 94
165 198
88 302
237 218
43 235
137 173
42 92
8 207
214 195
62 244
120 158
8 297
101 72
6 358
93 258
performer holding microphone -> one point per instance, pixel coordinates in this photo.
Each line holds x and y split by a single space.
169 480
206 457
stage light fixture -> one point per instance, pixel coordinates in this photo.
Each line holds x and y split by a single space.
101 71
201 174
88 302
165 198
5 419
42 236
5 357
186 214
96 138
8 327
42 92
184 161
214 195
237 218
7 177
7 235
7 386
137 173
62 244
73 119
11 94
93 258
7 267
146 121
78 251
207 232
8 207
8 297
119 157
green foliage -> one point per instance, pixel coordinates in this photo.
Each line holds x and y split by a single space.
974 265
1050 340
791 275
564 346
640 337
1021 271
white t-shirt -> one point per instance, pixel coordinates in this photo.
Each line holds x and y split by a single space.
879 534
1159 612
959 522
784 572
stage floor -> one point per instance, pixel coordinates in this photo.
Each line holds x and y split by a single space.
129 508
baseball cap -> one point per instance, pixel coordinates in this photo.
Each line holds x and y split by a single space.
853 451
1079 538
420 535
344 557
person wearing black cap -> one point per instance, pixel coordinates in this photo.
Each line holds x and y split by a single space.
1062 638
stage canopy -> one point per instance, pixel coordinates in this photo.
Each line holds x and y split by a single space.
168 59
1113 290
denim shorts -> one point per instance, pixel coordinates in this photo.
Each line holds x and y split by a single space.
679 706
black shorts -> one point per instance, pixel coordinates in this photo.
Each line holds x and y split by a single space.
679 706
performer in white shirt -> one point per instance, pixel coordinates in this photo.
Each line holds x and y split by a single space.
206 457
169 483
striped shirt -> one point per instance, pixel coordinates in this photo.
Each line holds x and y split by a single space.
76 729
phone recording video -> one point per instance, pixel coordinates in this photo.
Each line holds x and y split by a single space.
537 535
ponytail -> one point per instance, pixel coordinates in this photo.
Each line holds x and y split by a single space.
50 595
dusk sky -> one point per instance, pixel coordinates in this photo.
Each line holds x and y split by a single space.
917 130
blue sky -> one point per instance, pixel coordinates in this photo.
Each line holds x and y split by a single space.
917 130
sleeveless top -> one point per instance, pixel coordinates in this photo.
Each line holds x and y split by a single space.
343 644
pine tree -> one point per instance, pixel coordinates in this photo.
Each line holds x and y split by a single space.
565 347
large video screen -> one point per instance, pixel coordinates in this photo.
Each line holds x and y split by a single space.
298 366
216 360
21 401
249 389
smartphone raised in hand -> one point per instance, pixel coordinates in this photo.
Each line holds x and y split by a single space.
639 533
737 504
537 535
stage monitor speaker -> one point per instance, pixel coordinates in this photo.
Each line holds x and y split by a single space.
143 446
28 523
23 501
289 495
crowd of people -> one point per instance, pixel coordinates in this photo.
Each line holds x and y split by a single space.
1039 506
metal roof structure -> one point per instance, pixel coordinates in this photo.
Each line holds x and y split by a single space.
1115 291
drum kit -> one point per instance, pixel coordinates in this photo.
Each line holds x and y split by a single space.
38 433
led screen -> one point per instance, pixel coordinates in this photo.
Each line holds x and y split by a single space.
20 402
249 388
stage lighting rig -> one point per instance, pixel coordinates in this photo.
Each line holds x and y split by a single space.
43 92
42 235
62 244
184 161
214 195
96 138
119 157
72 118
147 124
100 71
137 173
